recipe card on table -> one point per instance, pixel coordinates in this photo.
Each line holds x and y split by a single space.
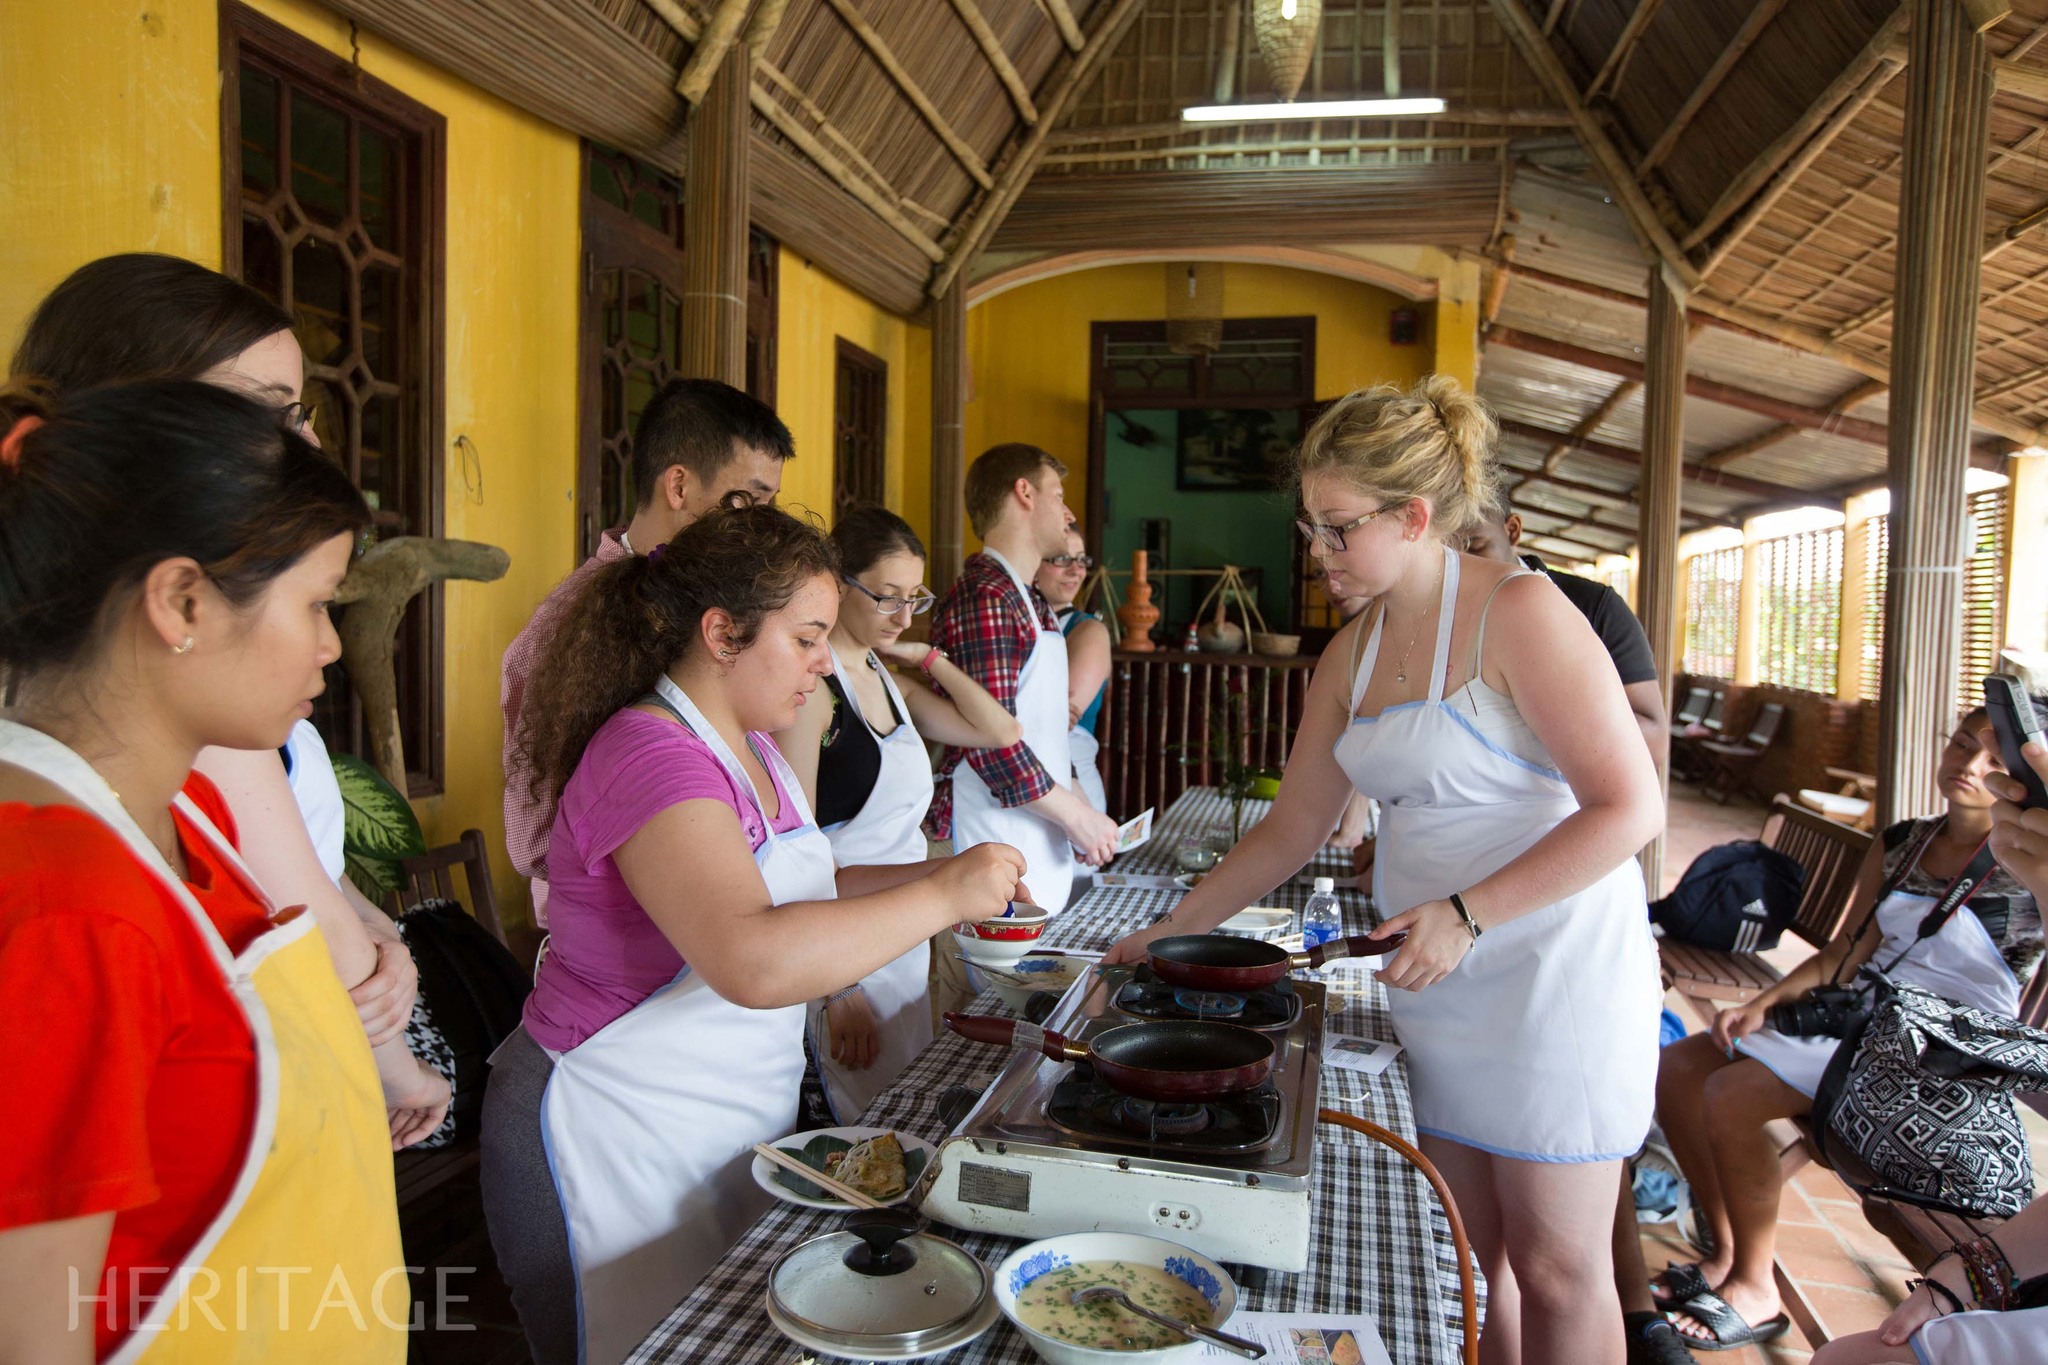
1306 1339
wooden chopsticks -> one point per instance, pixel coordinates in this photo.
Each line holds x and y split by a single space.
776 1156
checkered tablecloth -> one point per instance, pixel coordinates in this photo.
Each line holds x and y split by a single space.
1379 1243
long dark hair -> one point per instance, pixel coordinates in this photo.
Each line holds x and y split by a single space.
102 486
140 316
866 535
636 616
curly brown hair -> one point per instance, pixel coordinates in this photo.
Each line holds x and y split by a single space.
637 616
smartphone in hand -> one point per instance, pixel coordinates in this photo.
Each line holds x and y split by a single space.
2014 721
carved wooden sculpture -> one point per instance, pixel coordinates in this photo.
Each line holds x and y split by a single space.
376 592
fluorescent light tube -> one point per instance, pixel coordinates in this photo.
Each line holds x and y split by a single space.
1310 109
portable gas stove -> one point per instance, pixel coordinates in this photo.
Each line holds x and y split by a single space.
1050 1149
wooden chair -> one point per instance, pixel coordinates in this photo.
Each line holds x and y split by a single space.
1831 853
1733 762
427 877
1688 763
1692 711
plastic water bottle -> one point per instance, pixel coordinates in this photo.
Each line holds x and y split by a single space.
1320 919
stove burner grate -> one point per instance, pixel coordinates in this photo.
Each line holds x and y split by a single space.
1084 1107
1210 1004
1269 1009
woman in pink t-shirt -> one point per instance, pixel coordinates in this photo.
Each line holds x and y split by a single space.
694 908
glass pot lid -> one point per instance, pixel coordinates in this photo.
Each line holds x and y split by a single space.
878 1283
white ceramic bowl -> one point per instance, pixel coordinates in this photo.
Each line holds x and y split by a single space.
1049 976
1033 1259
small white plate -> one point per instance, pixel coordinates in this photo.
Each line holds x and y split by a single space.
764 1169
1258 921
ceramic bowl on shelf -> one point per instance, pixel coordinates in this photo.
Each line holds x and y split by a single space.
1191 1267
1275 646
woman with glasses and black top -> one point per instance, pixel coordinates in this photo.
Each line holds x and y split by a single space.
863 763
1060 579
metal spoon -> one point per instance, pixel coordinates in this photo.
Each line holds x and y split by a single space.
1250 1350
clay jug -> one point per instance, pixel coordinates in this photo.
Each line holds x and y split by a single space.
1137 614
1222 635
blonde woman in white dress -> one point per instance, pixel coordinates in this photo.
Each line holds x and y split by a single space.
1476 705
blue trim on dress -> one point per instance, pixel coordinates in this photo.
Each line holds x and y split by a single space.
1543 1157
1472 730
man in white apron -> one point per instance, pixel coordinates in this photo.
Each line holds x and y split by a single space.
995 625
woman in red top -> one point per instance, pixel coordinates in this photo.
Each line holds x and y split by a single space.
197 1128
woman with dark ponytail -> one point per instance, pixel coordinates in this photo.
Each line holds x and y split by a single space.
194 1108
694 908
142 316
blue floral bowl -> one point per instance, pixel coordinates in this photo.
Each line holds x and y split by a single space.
1034 1259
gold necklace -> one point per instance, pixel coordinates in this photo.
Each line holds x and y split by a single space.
1401 667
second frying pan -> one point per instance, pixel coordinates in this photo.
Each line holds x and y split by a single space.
1171 1061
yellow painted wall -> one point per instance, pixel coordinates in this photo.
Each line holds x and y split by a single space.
109 139
814 310
1027 348
112 143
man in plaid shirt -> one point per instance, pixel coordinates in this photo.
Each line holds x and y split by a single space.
697 443
998 628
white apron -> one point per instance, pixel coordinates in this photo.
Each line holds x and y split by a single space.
1984 1338
650 1122
1542 1043
888 831
1959 963
978 818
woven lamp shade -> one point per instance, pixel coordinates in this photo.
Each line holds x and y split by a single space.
1287 45
1194 309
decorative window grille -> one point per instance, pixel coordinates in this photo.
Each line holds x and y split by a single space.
860 424
1982 620
1713 605
1799 618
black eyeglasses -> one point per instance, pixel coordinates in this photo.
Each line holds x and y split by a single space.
1331 538
919 602
298 417
1072 561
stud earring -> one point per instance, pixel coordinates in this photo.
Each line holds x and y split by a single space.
185 648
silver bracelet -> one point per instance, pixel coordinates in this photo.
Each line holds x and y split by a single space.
838 996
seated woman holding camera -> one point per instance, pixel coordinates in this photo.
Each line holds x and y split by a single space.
1763 1059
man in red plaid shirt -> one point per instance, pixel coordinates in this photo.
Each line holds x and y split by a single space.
1000 630
697 443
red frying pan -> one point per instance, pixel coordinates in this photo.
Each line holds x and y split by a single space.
1171 1061
1222 962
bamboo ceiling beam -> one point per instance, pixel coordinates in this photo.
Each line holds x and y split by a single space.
771 109
1596 497
1785 431
687 26
1226 53
718 37
1063 20
1649 228
1760 207
1592 422
2028 82
879 49
1884 45
847 147
762 27
1622 455
992 48
1752 28
1731 318
1025 153
1550 20
1562 536
1999 244
1624 48
1696 386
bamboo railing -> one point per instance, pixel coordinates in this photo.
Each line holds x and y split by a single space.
1157 720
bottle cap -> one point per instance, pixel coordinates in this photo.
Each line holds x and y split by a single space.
1326 884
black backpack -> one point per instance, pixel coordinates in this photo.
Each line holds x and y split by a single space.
1734 898
472 990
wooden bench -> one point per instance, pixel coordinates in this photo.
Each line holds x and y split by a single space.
1733 763
1831 853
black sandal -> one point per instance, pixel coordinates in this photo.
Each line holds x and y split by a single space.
1731 1330
1679 1281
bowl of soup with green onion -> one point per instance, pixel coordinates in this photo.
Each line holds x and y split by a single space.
1035 1286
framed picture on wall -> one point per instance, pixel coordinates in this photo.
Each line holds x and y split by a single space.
1234 450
